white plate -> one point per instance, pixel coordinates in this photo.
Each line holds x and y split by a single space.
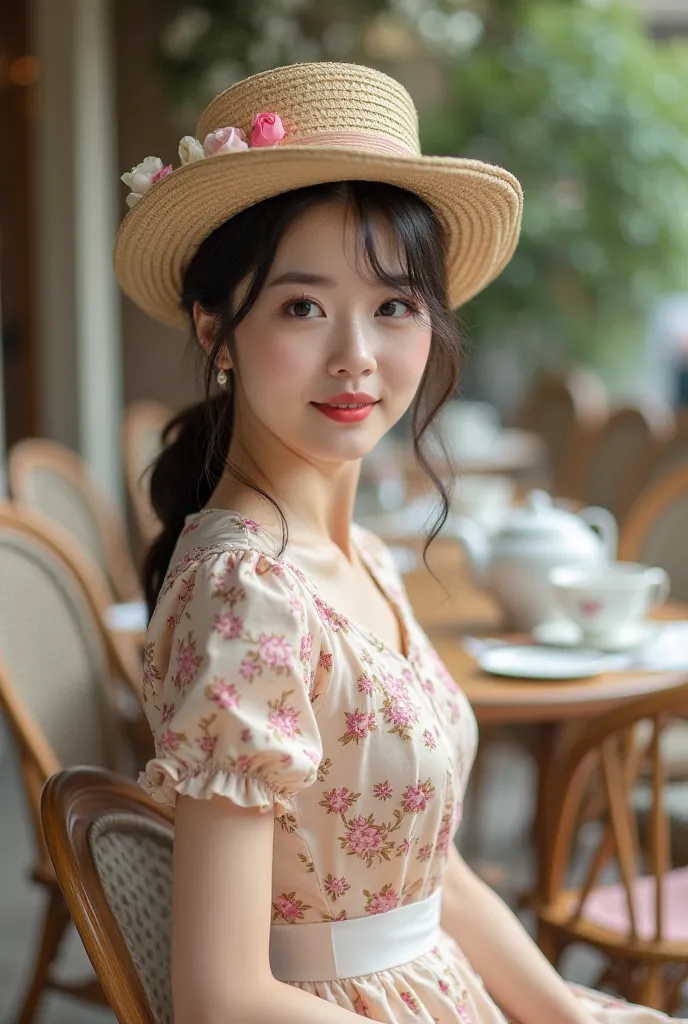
131 617
541 663
565 633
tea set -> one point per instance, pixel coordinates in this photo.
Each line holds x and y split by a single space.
554 574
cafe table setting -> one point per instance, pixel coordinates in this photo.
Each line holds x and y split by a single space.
536 619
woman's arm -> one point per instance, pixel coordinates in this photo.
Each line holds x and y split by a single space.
516 974
222 901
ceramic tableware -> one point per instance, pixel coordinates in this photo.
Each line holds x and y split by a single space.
525 662
565 633
608 601
514 564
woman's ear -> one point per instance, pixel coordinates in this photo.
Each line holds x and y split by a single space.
204 325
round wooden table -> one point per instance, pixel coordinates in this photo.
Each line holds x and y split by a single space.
451 606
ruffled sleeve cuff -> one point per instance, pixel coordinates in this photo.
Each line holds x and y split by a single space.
164 780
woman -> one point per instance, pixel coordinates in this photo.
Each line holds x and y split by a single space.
315 747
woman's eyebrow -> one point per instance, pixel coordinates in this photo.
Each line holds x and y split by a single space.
302 277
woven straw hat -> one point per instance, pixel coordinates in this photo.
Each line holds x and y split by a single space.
342 122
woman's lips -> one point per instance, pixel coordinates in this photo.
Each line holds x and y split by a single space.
347 408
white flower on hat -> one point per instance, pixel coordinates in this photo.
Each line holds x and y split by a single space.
190 150
224 140
140 178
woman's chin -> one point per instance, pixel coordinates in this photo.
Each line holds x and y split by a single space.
345 449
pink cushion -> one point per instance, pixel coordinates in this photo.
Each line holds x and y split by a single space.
607 907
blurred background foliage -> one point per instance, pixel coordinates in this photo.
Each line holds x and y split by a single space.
571 95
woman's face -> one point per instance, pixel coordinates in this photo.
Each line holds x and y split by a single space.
325 333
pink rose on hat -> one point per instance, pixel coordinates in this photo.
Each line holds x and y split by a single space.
267 130
224 140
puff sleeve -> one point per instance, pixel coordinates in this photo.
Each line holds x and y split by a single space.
230 673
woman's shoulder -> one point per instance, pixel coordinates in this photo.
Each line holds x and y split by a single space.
231 559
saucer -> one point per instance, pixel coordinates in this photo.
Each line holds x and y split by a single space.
565 633
524 662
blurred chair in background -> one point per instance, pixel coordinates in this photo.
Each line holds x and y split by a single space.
655 533
143 425
615 451
565 409
112 850
59 672
656 462
55 482
656 529
639 923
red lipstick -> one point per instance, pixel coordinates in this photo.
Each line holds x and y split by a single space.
347 407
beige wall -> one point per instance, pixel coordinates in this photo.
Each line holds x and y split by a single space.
157 363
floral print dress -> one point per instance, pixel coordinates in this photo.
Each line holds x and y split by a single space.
258 690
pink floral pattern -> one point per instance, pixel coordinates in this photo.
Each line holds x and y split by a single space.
383 790
224 694
359 724
380 902
335 887
288 908
259 690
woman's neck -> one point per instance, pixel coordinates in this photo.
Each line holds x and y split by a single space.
317 500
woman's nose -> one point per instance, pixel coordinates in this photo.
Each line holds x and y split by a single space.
353 354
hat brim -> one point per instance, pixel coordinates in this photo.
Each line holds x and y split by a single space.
479 206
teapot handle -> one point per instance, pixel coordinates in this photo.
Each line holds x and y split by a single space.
604 523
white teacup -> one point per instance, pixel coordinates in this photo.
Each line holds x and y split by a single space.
609 599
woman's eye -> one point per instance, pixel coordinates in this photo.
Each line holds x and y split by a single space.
304 309
395 309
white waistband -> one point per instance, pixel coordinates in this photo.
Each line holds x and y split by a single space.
347 949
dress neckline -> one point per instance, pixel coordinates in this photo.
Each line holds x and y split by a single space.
253 527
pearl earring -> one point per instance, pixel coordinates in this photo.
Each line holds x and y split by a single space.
222 378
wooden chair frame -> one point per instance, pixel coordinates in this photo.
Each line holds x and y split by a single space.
38 760
139 416
647 507
610 746
647 474
36 452
73 801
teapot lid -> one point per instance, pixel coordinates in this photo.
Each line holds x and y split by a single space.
539 516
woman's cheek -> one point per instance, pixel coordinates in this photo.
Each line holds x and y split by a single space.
406 370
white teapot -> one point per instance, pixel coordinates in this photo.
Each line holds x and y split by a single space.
513 563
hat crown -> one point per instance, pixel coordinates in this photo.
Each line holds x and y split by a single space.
327 99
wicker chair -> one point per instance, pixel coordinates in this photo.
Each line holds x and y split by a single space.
142 429
634 919
61 674
53 481
112 851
